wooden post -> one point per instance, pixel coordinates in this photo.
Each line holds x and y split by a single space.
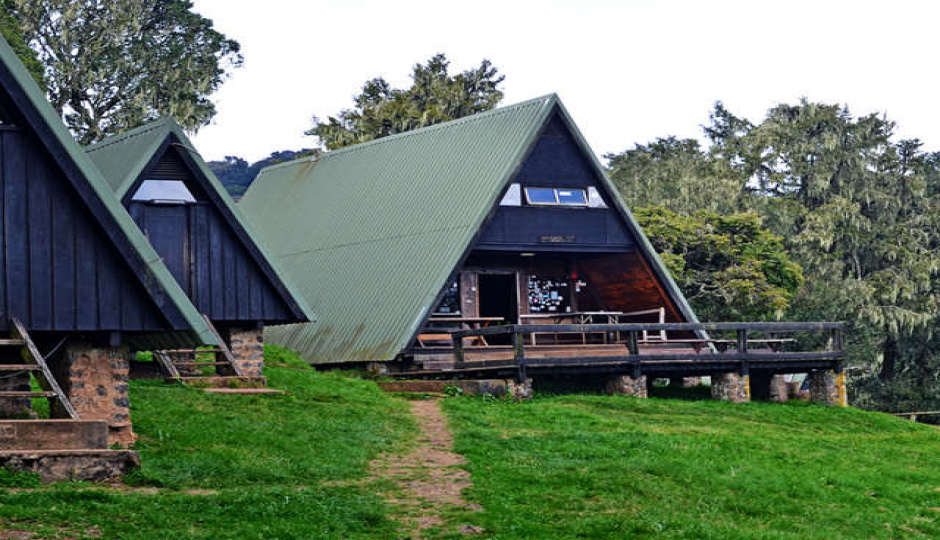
518 345
742 349
632 344
458 348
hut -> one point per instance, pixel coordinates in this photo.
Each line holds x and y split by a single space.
192 223
495 246
505 217
80 286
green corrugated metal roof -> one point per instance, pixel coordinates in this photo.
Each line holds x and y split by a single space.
370 233
122 158
158 273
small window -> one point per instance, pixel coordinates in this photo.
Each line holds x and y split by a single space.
540 196
556 197
513 196
164 192
571 196
594 198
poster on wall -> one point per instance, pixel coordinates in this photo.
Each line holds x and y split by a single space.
450 302
549 295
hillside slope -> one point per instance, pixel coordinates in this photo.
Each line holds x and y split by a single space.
615 467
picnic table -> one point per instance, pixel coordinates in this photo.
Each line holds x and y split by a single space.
448 324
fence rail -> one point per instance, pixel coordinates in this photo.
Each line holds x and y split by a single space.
741 355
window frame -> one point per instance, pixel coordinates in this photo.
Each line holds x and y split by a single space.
558 201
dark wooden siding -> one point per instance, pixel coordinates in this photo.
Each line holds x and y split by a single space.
556 161
205 255
58 270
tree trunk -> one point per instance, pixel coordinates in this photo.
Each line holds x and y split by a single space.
889 350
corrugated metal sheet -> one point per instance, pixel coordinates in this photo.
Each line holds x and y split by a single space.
122 158
158 274
370 233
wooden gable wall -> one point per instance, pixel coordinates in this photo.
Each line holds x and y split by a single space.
556 161
58 270
202 251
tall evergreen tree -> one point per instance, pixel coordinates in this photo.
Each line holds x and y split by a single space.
435 96
112 66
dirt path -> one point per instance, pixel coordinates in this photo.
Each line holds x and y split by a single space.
429 477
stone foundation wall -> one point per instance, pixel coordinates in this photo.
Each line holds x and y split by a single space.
828 387
627 386
247 346
95 381
778 389
731 387
519 390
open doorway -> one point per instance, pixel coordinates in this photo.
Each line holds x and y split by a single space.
498 296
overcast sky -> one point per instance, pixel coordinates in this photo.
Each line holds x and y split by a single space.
628 71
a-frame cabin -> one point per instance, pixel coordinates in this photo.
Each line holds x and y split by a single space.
80 287
193 224
505 217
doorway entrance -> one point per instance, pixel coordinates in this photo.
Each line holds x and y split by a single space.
497 296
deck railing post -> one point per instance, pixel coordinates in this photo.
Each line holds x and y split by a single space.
518 345
742 349
632 344
458 347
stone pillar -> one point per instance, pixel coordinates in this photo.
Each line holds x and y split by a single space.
95 381
794 391
778 389
827 386
731 387
247 346
625 385
519 390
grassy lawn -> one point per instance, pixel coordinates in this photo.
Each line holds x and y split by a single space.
617 467
244 467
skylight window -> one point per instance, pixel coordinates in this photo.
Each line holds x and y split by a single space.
556 196
164 192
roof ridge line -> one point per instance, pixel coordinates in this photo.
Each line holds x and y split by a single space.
450 123
129 134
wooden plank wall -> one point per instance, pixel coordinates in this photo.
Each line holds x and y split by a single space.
58 270
207 258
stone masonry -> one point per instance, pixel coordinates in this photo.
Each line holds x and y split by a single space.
627 386
731 387
247 346
518 390
778 389
828 387
95 381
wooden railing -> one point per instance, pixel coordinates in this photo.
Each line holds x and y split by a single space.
742 354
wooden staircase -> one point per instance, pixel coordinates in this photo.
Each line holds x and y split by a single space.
207 366
35 364
62 447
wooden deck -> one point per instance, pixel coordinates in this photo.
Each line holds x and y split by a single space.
682 357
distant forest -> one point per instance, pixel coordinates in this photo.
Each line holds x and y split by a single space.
236 174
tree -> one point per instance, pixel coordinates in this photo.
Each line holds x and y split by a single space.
435 96
728 266
10 30
855 209
676 174
112 66
237 175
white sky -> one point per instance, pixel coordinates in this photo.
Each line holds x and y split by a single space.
628 71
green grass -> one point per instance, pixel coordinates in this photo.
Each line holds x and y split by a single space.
240 467
615 467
